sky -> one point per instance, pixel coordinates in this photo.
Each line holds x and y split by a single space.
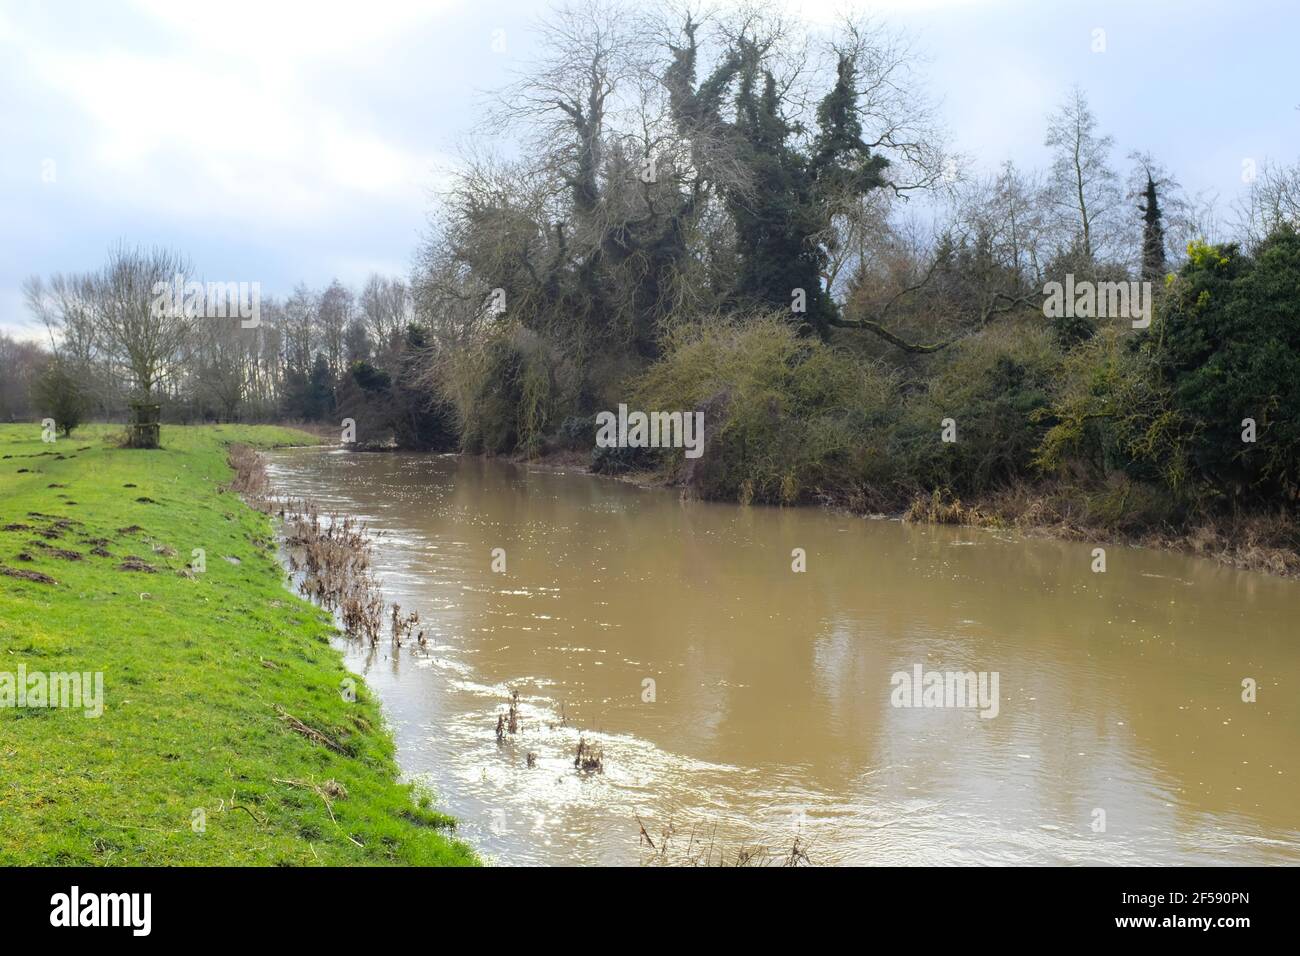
277 142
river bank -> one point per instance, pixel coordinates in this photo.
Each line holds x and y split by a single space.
1250 542
227 734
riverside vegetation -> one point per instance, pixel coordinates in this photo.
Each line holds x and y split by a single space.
718 216
225 737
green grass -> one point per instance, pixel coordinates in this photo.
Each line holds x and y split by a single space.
197 672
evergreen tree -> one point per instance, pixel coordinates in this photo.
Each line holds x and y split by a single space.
773 212
784 210
61 395
1153 234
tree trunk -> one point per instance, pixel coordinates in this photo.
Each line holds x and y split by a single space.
143 428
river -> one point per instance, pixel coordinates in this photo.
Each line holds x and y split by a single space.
741 704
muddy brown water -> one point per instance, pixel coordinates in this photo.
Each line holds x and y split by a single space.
1120 734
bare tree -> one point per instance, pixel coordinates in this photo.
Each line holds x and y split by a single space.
898 119
334 312
1083 188
145 332
23 363
221 364
145 318
565 99
385 305
1007 212
298 324
67 306
1273 200
1197 217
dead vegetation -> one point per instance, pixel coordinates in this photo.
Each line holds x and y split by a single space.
1254 543
588 758
668 850
1251 542
402 627
250 480
937 508
311 733
330 553
508 720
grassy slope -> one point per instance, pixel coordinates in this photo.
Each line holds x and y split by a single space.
194 671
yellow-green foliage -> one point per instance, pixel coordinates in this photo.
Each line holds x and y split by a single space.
509 388
786 418
1110 413
1203 255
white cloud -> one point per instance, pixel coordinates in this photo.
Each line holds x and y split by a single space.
217 122
290 32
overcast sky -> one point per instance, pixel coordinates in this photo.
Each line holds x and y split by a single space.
276 142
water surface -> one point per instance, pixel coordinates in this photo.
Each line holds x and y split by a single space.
771 716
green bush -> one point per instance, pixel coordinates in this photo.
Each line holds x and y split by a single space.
994 385
60 395
1231 351
786 418
1112 414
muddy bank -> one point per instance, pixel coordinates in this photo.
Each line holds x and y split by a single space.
1252 542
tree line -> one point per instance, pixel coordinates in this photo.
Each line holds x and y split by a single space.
112 338
766 221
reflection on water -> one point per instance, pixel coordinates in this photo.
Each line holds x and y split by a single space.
771 715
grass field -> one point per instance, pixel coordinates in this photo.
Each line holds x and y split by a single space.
226 736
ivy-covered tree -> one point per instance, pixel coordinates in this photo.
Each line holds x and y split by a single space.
782 205
775 215
1153 233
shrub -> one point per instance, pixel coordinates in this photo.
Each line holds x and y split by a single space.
509 389
396 403
60 395
1231 351
577 432
995 386
1112 414
786 418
